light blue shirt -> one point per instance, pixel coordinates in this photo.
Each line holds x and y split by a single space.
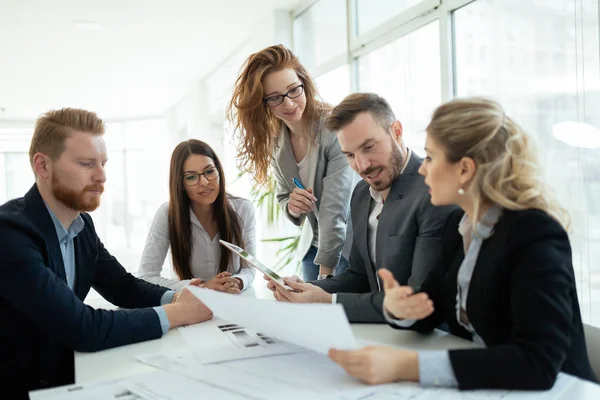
66 240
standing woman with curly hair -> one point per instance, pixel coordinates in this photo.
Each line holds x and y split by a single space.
279 120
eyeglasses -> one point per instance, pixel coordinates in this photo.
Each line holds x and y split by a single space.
192 178
292 94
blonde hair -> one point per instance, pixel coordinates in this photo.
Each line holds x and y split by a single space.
508 172
253 122
55 126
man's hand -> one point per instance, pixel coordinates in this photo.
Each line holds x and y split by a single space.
400 301
378 364
223 282
272 285
187 310
301 293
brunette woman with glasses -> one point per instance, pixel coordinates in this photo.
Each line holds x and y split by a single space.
199 214
279 121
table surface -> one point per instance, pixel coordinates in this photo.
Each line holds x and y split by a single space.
120 362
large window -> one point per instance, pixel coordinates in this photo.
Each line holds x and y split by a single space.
540 59
137 175
406 72
334 85
320 33
371 13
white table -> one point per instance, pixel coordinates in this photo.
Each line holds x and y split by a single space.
120 362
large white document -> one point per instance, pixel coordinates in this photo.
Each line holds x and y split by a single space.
219 340
410 391
316 327
157 385
313 376
300 376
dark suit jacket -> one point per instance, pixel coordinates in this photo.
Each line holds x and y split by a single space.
522 302
43 321
408 244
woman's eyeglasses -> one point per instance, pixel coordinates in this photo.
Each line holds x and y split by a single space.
292 94
192 178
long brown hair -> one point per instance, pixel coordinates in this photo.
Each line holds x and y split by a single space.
253 122
508 171
180 224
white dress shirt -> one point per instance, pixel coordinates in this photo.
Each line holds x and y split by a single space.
206 252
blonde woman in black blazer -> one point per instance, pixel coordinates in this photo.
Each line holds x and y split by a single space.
507 279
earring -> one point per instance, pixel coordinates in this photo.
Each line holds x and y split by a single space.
461 191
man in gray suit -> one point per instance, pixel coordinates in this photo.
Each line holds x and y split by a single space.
395 224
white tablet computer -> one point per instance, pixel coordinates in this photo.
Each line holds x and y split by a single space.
255 263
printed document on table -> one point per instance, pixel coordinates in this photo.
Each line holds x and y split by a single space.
156 385
316 327
412 391
219 340
298 376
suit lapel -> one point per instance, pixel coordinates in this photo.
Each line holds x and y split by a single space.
80 273
396 199
395 202
487 258
313 154
284 157
39 213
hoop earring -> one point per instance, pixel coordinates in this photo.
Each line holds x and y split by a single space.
461 191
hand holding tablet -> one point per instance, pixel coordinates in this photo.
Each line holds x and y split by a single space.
256 264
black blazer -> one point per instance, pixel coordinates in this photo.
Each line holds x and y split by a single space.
409 242
522 302
43 321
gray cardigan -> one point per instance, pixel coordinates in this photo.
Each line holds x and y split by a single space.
332 181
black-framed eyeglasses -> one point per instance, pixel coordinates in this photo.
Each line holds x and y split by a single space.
192 178
294 92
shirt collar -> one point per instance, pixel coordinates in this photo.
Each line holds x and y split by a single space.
484 228
74 230
375 194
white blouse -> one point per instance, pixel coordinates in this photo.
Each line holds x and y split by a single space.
206 253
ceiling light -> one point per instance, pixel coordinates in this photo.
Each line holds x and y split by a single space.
88 25
577 134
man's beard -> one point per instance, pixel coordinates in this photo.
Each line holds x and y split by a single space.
394 167
73 199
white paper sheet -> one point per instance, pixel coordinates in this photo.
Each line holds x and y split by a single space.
149 386
316 327
411 391
307 375
219 340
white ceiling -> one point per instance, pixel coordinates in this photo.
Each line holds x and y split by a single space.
140 64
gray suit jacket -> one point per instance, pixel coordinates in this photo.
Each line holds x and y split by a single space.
332 181
408 244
